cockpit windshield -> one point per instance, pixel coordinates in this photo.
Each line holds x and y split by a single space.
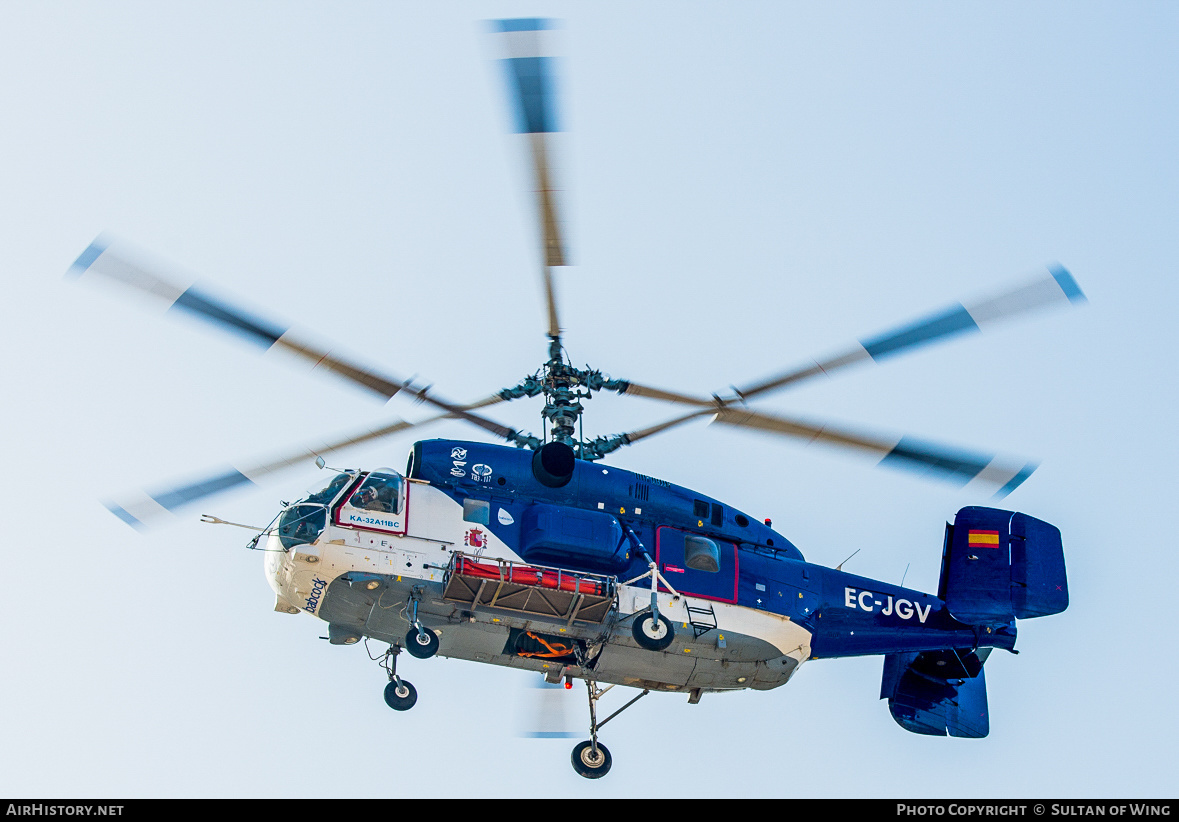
332 490
381 492
301 524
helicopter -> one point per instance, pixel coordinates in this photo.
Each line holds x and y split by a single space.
534 553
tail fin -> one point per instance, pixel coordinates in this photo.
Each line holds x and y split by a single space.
998 565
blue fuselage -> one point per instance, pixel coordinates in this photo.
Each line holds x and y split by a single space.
609 520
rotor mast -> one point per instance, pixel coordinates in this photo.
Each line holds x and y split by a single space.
528 63
564 386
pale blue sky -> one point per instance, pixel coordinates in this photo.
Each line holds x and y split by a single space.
748 185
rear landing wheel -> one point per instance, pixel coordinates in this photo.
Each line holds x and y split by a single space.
400 695
652 635
587 764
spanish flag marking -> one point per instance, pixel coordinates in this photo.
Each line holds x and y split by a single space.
983 539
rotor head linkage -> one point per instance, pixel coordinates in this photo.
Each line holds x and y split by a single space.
564 386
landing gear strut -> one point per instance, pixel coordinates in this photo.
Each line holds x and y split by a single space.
400 695
591 759
651 629
421 642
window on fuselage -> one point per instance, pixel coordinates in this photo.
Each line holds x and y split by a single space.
477 511
701 554
380 493
686 560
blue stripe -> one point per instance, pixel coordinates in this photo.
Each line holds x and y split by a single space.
122 514
86 258
190 493
1067 284
523 24
531 81
1016 481
238 322
952 321
958 466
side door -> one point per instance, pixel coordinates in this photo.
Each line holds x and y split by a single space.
697 565
379 503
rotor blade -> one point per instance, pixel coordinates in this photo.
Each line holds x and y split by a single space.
949 464
483 403
529 68
100 259
601 446
636 390
1055 287
634 436
544 710
554 330
463 412
138 510
129 269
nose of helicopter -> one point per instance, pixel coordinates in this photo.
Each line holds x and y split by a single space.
293 573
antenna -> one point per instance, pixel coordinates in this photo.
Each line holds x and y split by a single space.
839 567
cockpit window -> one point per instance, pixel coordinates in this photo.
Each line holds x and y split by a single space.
380 492
332 490
301 524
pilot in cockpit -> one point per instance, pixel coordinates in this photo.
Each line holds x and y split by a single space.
379 493
367 499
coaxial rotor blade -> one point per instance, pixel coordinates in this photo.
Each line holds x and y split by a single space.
141 509
946 463
464 412
550 299
636 390
528 64
131 270
634 436
99 258
486 401
1055 287
601 446
544 712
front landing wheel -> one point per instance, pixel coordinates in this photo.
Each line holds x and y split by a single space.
652 635
400 695
587 764
422 643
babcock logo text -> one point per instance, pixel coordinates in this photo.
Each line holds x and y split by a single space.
317 587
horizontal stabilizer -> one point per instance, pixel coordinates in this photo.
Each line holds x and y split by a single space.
937 693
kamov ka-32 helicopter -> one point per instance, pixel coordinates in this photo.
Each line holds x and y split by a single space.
534 555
